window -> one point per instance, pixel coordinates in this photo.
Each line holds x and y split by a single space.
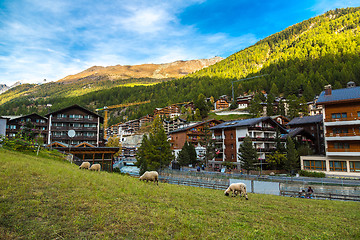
341 145
232 136
338 115
354 166
61 115
75 116
338 166
314 165
340 130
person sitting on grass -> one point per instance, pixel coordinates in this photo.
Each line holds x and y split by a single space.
302 194
310 192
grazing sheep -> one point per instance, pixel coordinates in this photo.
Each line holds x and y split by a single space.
236 188
84 165
96 167
150 176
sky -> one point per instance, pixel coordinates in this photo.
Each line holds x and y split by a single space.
51 39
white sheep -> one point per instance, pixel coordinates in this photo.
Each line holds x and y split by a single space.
236 188
96 167
150 176
84 165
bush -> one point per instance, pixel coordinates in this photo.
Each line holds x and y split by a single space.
19 144
311 174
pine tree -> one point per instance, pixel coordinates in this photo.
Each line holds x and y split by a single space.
292 157
154 152
183 157
192 154
247 155
255 107
270 105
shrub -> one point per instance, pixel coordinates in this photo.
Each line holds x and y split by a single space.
311 174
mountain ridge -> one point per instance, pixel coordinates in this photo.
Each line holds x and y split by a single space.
174 69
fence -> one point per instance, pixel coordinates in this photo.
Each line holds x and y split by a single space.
324 189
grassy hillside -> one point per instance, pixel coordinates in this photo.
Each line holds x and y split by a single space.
43 198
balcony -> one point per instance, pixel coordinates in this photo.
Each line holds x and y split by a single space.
262 128
269 149
330 151
342 136
258 139
342 121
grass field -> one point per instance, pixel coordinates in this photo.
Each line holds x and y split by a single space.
47 198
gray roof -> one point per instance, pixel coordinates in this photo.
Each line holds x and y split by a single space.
239 123
245 123
298 131
339 95
306 120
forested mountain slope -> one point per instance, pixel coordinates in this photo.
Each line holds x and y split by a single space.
319 51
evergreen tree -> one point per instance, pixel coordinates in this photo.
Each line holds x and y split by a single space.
292 157
281 108
270 105
248 155
274 90
255 107
201 104
183 157
154 152
197 116
294 106
209 143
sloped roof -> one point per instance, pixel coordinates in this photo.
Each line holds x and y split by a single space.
306 120
298 131
344 94
192 126
245 123
24 116
76 106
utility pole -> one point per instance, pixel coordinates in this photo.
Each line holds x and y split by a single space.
232 83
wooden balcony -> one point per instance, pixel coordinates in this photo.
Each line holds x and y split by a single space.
350 134
331 149
341 119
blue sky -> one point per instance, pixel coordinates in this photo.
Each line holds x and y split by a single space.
50 39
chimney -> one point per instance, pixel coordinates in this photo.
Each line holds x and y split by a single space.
351 84
327 90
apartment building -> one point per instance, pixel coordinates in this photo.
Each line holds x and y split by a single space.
39 125
171 111
174 124
342 133
222 103
193 134
314 125
230 135
85 123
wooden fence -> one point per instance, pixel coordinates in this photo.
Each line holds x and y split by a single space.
194 183
330 196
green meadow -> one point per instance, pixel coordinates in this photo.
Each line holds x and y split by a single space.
45 197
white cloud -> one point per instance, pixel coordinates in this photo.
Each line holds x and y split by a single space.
42 39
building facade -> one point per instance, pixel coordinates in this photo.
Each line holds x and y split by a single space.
192 134
38 124
85 123
342 133
229 136
314 125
